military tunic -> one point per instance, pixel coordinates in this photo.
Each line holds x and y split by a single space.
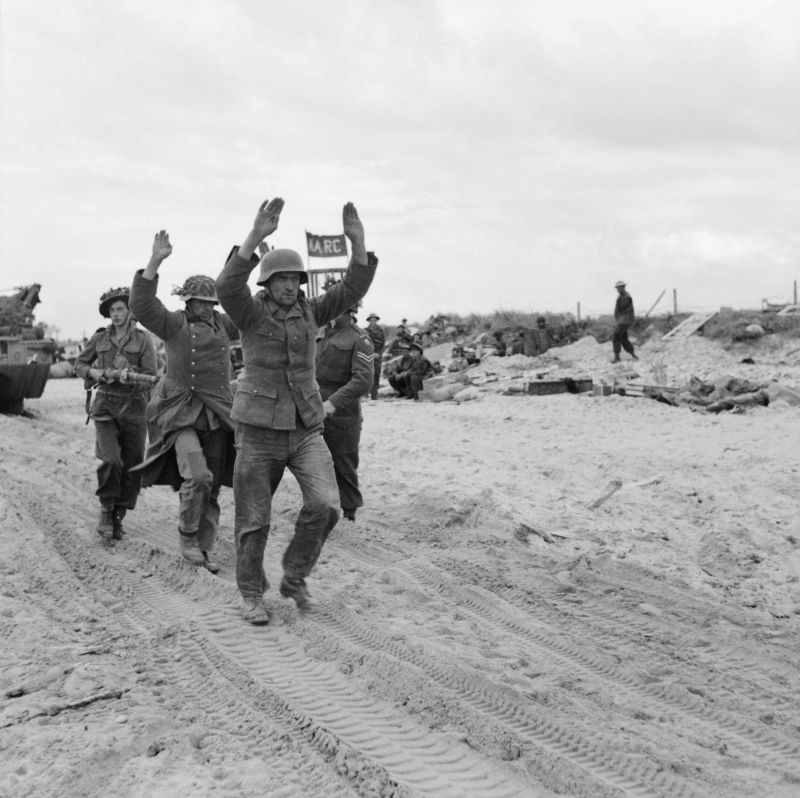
118 411
191 440
344 363
279 417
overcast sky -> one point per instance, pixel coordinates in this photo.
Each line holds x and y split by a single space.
502 155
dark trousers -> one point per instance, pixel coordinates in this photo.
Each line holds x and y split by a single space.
376 377
398 383
119 445
621 340
342 434
262 455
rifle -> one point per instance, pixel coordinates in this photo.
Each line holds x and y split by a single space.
126 376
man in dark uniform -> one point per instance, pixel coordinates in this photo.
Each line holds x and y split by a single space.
397 372
108 361
538 339
378 338
344 372
191 433
623 314
408 381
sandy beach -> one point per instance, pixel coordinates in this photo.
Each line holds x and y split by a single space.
570 595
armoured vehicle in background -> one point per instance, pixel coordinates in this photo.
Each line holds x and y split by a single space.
25 354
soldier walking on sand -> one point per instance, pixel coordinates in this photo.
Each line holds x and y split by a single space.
344 372
109 361
191 446
378 338
623 314
277 407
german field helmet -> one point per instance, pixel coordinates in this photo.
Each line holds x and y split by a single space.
198 286
281 260
111 296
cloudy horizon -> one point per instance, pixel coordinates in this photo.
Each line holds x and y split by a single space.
519 156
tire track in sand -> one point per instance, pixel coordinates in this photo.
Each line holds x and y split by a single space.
337 716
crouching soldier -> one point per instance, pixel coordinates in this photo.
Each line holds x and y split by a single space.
114 361
191 434
344 363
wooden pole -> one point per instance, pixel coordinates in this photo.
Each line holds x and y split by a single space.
579 312
652 307
795 293
674 302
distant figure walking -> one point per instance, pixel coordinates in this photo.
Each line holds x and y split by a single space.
623 314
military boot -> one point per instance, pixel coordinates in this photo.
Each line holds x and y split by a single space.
254 611
296 590
119 531
105 526
190 549
209 562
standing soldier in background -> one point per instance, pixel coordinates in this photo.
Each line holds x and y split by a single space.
190 415
539 338
623 315
344 363
378 338
110 360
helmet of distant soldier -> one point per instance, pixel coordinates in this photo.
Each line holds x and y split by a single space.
277 261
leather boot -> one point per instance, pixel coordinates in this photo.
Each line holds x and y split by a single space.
254 611
119 531
296 590
209 562
190 549
105 525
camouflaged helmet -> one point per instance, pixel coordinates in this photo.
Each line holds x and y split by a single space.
281 260
198 286
121 294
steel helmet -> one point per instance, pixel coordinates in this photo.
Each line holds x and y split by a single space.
198 286
111 296
281 260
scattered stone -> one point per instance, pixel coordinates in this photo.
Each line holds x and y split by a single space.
155 748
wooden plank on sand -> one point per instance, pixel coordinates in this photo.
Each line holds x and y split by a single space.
689 326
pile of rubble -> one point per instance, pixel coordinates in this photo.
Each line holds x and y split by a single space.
692 370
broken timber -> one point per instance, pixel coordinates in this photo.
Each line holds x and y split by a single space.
640 389
689 326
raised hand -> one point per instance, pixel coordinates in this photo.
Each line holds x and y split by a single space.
353 228
267 218
162 249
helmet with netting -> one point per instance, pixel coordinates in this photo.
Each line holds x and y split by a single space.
198 286
108 298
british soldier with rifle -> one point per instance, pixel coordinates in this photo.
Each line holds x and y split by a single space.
119 363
